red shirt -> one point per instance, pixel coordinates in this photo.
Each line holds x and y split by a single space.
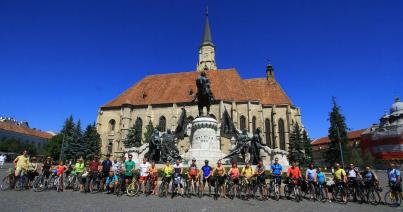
94 166
294 173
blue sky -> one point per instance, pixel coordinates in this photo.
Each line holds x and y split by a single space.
69 57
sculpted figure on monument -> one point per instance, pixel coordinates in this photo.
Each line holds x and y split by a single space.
204 94
169 149
255 146
154 150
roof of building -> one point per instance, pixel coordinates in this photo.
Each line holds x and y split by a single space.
181 87
24 130
351 135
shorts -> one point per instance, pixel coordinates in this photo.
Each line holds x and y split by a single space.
396 186
206 179
143 178
18 171
278 178
235 180
193 177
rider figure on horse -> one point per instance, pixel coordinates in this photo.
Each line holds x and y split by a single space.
204 95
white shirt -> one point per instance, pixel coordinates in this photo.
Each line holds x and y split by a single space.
351 173
144 169
2 157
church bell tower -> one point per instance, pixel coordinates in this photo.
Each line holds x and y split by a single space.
206 50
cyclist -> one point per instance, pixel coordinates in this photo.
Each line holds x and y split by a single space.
321 179
340 179
79 169
311 177
260 173
111 182
143 168
116 166
294 173
129 167
153 173
168 170
369 177
61 168
94 168
234 175
32 170
106 167
276 170
20 164
395 179
220 173
178 171
193 172
352 176
206 169
47 164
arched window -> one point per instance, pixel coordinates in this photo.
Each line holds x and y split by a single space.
162 124
267 127
253 124
112 124
242 123
281 133
213 116
138 125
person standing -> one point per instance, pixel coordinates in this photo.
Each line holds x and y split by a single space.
206 169
20 164
79 169
311 177
276 170
32 171
395 179
2 160
340 178
129 167
106 167
153 173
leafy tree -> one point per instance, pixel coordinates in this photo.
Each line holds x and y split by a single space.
133 138
307 148
149 131
75 146
337 134
17 146
53 146
92 141
355 157
295 147
367 158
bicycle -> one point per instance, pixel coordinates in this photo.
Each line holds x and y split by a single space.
372 193
96 182
40 182
274 187
22 181
134 187
176 182
321 193
149 185
311 190
245 188
339 192
8 181
230 187
71 181
187 185
355 191
292 188
164 187
193 184
259 185
393 197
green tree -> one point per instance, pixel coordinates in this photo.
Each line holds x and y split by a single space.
307 148
133 138
92 141
75 146
53 146
367 158
337 134
355 157
149 131
295 146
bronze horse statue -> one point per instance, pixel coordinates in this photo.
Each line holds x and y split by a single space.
204 95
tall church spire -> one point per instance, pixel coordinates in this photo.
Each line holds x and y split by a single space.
207 49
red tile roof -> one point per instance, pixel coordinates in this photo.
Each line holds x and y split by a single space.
176 88
351 135
24 130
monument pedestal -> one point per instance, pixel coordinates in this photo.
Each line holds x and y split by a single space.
204 142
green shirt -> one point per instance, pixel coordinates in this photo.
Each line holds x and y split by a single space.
129 166
79 167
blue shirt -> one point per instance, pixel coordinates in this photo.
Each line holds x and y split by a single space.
276 169
206 170
393 174
321 177
112 179
311 173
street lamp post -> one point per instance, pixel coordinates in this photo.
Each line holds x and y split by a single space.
340 147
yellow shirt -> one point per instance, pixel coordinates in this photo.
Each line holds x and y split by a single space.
339 173
22 162
168 171
247 172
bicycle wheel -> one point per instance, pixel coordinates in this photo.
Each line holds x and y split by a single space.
76 184
258 192
287 191
392 198
200 190
132 189
173 189
94 186
230 191
276 192
161 189
6 183
148 187
19 185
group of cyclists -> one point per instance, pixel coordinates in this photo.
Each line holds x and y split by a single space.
123 175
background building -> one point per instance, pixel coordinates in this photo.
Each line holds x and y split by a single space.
252 103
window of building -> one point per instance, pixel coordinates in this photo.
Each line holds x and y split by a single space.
138 125
267 127
253 124
112 124
162 124
242 123
281 133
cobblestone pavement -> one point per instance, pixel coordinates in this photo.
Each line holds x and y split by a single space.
75 201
